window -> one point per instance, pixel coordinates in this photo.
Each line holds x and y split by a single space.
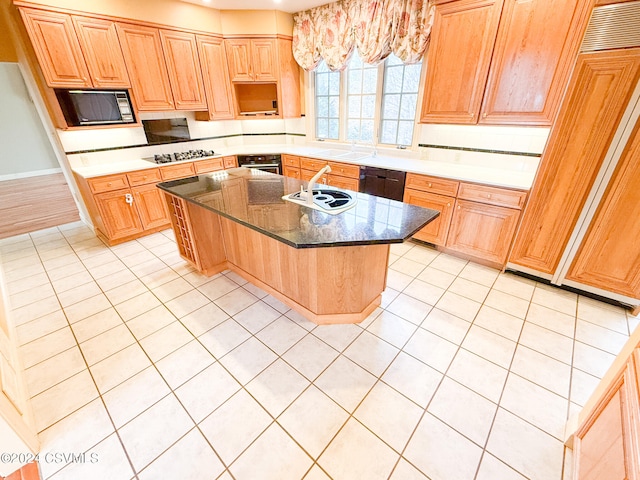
327 102
367 103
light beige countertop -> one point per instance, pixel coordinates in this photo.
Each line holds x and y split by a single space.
497 169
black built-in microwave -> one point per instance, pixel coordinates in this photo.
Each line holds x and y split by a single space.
95 107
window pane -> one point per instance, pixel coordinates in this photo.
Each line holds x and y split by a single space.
353 129
322 84
322 104
322 129
355 81
408 106
368 106
393 80
405 132
354 107
366 131
399 99
388 132
334 83
370 80
334 128
334 107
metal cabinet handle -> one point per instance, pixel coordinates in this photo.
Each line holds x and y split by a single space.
449 204
128 198
429 184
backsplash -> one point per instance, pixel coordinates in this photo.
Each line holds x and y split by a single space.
485 137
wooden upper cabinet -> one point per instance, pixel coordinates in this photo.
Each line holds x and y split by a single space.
252 60
458 60
57 48
596 98
216 77
608 257
185 75
535 49
99 41
142 49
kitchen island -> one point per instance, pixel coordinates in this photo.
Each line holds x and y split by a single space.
330 268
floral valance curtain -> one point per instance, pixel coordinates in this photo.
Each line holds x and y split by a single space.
375 27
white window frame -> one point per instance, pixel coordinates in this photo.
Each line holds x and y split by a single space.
311 102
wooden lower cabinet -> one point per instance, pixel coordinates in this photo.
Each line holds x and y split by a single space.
119 217
483 231
436 231
293 172
343 182
606 444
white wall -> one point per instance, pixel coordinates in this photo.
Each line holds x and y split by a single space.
24 147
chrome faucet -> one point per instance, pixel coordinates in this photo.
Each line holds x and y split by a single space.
309 193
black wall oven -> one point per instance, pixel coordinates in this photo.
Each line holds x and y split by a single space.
268 163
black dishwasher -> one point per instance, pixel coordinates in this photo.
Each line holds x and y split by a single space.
382 182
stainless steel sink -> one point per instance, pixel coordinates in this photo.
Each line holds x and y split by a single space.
324 200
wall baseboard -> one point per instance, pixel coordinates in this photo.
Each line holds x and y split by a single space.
36 173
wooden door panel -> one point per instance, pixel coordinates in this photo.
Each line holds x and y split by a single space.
147 69
458 60
436 231
536 46
119 217
57 48
264 60
239 59
215 72
181 54
484 231
609 257
151 206
597 96
99 41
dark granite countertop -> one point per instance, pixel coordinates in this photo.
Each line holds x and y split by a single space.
254 198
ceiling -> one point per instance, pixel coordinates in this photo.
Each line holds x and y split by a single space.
290 6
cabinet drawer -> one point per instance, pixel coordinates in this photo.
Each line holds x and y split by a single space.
432 184
230 162
177 171
204 166
311 163
307 175
143 177
108 183
492 195
345 169
343 182
290 161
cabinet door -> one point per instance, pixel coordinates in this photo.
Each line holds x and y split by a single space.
142 51
151 206
293 172
436 231
536 46
119 216
185 75
484 231
99 41
215 73
609 257
458 60
596 98
57 48
239 58
264 63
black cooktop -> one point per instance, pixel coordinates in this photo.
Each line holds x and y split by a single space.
180 156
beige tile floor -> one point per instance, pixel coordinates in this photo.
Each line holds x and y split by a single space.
464 373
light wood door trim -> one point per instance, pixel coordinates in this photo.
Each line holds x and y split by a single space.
56 45
142 49
462 40
608 257
484 231
215 73
185 75
536 46
436 231
99 41
597 96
